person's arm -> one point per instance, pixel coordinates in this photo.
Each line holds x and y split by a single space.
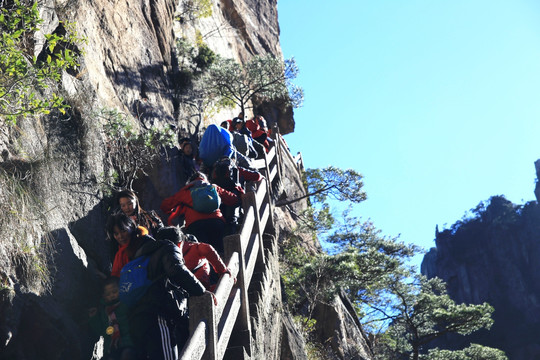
207 251
168 204
177 272
249 175
228 197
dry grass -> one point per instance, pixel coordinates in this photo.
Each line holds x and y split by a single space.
24 242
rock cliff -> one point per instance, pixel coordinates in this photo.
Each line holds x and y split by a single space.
494 257
53 200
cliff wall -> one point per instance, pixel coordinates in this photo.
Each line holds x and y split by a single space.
494 258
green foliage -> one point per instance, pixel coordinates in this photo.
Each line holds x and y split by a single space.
194 59
423 312
497 212
341 185
263 76
331 182
473 352
190 92
316 221
131 151
23 76
371 263
372 270
205 57
307 327
293 260
191 10
363 263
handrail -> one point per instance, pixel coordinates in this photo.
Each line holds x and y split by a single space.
295 160
210 325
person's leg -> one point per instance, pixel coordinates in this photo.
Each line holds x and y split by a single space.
215 233
161 343
209 231
197 229
182 332
154 337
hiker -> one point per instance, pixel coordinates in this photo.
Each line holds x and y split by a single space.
110 320
230 177
259 130
203 219
187 161
215 143
242 139
154 312
127 243
129 205
227 124
240 126
198 256
225 175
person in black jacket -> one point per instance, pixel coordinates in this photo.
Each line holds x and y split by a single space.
152 318
187 160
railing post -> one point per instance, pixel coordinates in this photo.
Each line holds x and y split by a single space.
202 309
233 243
278 143
249 200
268 197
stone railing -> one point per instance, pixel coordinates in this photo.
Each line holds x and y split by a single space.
211 326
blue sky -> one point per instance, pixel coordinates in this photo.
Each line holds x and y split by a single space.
436 103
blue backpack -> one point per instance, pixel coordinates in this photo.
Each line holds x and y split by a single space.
134 281
215 143
205 198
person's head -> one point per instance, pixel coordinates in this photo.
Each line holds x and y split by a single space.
262 122
171 233
224 124
110 289
128 202
186 146
222 168
191 238
238 124
121 228
198 176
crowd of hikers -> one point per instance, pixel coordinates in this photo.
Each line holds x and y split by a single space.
160 262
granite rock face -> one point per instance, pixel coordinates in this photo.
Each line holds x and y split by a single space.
54 200
338 328
494 258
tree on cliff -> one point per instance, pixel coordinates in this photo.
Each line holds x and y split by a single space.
263 76
405 315
130 151
421 312
191 10
26 80
331 182
363 263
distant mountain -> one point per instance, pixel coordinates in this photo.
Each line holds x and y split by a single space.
494 257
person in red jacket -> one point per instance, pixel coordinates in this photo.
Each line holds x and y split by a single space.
207 227
198 256
259 130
